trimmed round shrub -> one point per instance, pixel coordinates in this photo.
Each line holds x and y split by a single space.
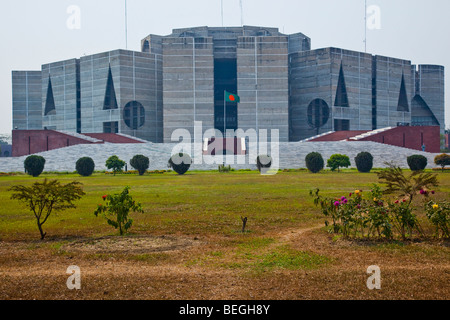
141 163
417 162
180 163
314 162
364 162
263 163
85 166
34 165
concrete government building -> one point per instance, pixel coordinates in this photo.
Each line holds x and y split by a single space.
181 78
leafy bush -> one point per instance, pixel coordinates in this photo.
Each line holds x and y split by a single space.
224 169
180 163
44 198
358 216
140 163
439 215
417 162
314 162
85 166
364 162
117 209
352 215
263 163
34 165
406 186
442 160
115 164
337 161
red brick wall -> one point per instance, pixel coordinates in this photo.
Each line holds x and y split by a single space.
27 142
410 137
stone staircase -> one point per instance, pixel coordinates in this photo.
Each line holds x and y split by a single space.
80 136
318 136
370 133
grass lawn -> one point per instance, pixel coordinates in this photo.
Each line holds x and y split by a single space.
188 244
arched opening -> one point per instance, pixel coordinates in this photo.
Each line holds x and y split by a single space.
134 115
318 114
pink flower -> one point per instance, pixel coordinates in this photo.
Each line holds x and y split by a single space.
350 195
397 201
423 191
336 204
343 198
358 206
345 201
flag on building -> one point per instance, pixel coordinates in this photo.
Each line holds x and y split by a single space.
229 97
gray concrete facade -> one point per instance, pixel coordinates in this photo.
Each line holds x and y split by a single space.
110 84
188 87
180 79
429 87
60 97
388 74
361 92
27 100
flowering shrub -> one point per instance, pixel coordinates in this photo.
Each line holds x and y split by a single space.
117 208
439 216
373 216
354 215
403 218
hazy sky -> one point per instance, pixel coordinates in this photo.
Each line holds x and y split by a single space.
34 32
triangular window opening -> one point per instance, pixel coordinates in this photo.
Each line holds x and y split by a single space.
110 94
403 104
50 108
341 92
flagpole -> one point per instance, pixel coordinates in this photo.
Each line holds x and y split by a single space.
126 25
224 113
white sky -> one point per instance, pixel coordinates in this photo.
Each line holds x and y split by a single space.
34 32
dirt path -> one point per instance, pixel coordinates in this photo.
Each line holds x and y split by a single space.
158 268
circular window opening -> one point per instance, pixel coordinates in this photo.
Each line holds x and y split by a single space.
134 115
318 113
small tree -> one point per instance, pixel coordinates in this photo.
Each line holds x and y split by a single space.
140 163
44 198
364 162
34 165
417 162
337 161
117 209
180 163
85 166
115 164
314 162
442 160
397 182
